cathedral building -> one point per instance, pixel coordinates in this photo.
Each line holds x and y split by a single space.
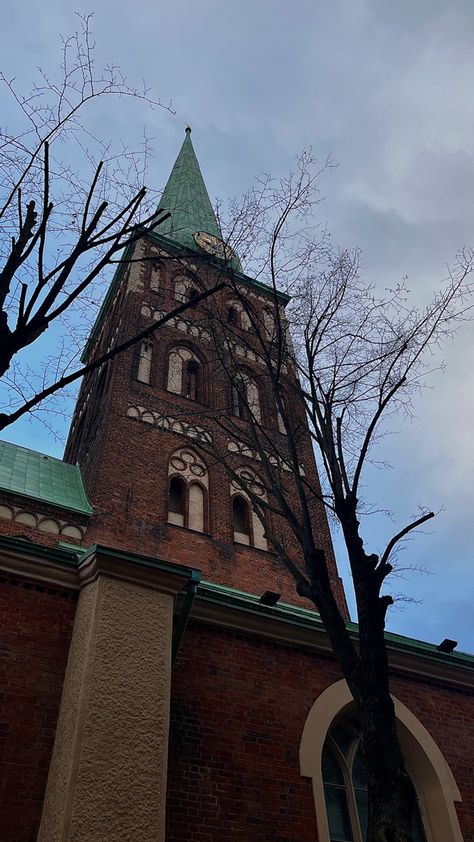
162 679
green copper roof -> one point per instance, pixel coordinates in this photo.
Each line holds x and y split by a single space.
40 477
186 198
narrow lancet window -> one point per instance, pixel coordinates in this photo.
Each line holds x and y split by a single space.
241 520
144 363
177 501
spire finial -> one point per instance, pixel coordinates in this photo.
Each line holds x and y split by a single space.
188 129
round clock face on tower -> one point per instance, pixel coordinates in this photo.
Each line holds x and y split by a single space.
214 245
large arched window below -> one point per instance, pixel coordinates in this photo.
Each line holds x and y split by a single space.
187 490
330 755
345 786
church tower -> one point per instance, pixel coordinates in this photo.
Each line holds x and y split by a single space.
139 420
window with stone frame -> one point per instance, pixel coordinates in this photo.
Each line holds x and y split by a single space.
188 488
248 528
185 374
245 398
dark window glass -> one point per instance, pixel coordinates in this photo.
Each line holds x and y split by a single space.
177 496
343 736
336 799
241 516
346 783
192 386
238 407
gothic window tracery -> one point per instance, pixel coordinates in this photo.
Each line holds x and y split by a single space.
188 490
434 782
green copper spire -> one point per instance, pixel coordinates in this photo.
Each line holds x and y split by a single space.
186 198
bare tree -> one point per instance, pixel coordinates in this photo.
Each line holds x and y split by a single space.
353 361
70 203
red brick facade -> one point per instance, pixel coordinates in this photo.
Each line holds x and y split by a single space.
36 628
239 705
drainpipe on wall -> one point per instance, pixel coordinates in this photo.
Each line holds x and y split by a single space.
190 590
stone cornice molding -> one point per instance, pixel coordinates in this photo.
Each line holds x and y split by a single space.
137 570
304 629
66 569
62 568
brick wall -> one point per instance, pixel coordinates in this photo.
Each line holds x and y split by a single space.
238 710
35 633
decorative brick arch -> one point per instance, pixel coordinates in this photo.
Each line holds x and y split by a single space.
434 782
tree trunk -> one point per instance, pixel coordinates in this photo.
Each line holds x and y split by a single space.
390 791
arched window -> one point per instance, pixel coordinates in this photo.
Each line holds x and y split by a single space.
192 381
102 382
345 786
253 399
247 527
241 520
185 374
269 323
188 488
237 315
144 363
245 398
237 402
330 755
155 277
177 501
281 422
196 507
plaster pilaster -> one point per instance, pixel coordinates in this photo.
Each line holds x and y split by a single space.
107 780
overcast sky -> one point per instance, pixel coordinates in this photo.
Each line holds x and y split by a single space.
386 89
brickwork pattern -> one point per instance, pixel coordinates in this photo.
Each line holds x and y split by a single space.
239 706
36 627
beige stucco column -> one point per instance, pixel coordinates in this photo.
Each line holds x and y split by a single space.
107 779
